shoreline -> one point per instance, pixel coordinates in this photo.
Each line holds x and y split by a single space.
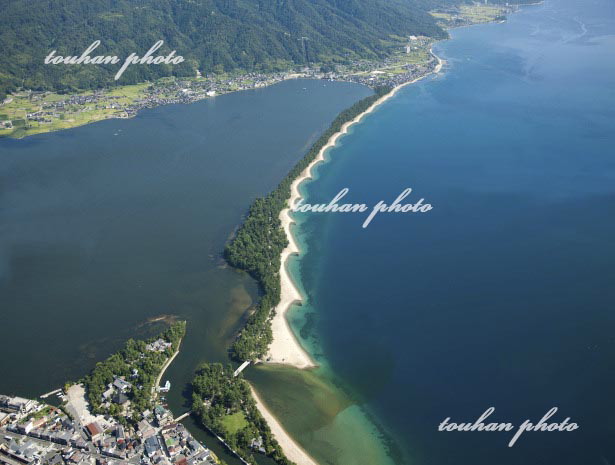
128 115
291 449
166 365
286 348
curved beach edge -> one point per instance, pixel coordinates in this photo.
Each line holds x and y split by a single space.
291 449
285 348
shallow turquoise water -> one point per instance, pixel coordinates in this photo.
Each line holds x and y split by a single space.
503 294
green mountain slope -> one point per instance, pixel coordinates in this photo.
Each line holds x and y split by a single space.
213 35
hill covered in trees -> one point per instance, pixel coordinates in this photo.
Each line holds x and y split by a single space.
212 35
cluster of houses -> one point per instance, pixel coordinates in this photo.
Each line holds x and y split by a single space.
188 91
159 345
379 78
42 116
39 434
117 392
114 442
17 405
26 452
162 93
372 74
52 427
175 445
32 433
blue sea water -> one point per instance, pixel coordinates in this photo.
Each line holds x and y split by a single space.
504 294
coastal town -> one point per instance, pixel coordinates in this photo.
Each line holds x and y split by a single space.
86 427
118 415
35 433
29 112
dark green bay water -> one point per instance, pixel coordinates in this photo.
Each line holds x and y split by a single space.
504 294
501 296
106 226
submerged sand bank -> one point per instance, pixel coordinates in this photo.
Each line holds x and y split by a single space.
291 449
285 348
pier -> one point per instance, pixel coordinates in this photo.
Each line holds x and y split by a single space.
241 368
181 417
50 393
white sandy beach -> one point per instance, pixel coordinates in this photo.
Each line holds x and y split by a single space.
285 349
291 449
166 365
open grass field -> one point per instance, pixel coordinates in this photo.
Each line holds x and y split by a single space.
20 105
470 14
235 422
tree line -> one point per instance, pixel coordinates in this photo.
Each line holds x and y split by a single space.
216 395
259 241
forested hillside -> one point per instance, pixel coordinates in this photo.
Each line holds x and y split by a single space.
213 35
